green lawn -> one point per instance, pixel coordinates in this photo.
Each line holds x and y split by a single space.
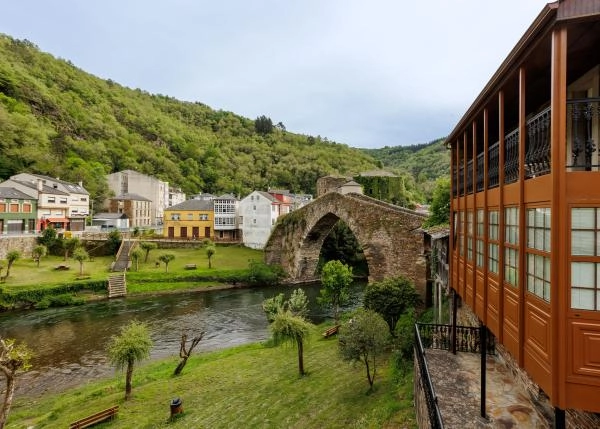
25 271
253 386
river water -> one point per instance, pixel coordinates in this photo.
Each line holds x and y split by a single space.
69 343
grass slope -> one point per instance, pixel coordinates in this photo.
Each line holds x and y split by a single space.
252 386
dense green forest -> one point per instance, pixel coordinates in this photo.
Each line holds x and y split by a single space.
58 120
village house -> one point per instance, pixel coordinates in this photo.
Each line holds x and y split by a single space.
18 212
191 219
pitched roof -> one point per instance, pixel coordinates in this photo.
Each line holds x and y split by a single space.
226 197
100 216
72 187
45 188
203 205
128 196
6 192
268 196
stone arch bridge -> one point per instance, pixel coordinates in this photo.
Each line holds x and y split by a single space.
390 236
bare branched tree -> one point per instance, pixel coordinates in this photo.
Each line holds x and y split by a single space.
184 352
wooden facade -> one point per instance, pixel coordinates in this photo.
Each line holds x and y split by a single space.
525 206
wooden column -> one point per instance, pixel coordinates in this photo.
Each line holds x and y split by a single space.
501 216
522 232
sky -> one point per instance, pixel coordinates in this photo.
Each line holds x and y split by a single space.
366 73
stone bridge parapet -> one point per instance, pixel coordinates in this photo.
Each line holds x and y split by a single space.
390 236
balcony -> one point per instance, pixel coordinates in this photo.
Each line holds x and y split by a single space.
583 116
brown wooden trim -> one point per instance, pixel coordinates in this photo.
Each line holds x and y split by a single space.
558 298
501 213
522 232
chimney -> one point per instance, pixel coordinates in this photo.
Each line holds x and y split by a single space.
40 185
80 183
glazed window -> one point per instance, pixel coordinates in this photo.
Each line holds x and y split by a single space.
470 236
511 249
494 245
538 252
480 246
585 258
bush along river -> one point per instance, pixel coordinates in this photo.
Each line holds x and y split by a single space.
69 343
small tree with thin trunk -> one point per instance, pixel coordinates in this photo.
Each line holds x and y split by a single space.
11 257
39 252
69 245
147 246
293 329
336 277
362 338
210 252
132 345
166 258
185 352
136 254
80 255
13 358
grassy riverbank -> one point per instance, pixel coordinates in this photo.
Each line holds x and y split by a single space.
242 387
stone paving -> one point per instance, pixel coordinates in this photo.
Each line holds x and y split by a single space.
457 383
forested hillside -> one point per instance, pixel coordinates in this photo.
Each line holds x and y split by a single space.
58 120
424 162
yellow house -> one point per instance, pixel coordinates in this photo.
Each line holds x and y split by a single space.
192 219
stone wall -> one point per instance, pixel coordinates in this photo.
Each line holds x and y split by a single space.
23 244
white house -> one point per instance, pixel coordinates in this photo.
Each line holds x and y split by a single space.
226 217
258 213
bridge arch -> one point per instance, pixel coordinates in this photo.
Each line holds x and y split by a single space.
390 237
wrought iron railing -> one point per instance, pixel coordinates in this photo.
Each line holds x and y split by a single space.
433 409
455 191
537 155
511 157
468 338
461 179
470 176
493 165
582 113
480 171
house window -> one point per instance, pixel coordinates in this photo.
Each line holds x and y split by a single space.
175 216
511 248
585 258
14 207
203 216
51 199
470 236
493 245
461 230
62 200
190 216
2 207
538 252
26 208
480 246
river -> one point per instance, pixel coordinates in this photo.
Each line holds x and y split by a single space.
70 342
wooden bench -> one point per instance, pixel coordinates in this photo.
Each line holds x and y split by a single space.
62 267
331 331
190 266
100 417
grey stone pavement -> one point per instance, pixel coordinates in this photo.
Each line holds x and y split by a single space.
457 384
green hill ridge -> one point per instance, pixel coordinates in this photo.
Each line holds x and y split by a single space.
59 120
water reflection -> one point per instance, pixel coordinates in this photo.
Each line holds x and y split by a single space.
70 343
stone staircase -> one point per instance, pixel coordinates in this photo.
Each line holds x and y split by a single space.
122 262
117 285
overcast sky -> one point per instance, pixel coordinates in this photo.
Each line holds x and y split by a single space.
367 73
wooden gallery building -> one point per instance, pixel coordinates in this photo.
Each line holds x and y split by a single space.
525 205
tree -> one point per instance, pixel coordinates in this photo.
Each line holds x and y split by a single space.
184 353
136 254
132 345
13 358
293 329
114 241
80 255
70 244
147 246
263 125
391 298
336 277
39 252
210 252
362 338
11 257
440 204
166 258
48 237
297 304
